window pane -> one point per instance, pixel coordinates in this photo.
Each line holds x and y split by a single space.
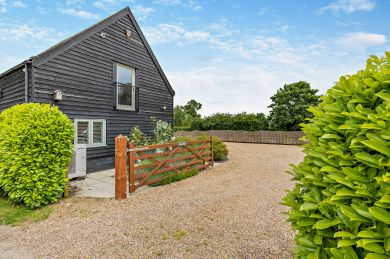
97 132
82 132
124 95
124 74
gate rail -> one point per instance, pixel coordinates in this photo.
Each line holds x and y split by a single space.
148 165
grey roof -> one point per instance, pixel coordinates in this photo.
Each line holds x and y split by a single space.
75 39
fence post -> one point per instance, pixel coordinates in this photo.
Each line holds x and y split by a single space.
120 167
131 168
212 150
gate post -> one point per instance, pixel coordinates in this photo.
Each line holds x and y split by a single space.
131 168
120 167
212 150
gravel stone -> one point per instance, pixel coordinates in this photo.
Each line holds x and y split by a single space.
229 211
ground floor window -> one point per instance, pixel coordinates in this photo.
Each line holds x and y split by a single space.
90 131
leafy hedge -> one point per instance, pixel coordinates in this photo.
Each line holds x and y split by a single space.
239 121
340 205
35 149
222 121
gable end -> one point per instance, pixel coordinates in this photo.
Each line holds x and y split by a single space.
74 40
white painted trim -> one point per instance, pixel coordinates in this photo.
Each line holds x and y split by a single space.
90 132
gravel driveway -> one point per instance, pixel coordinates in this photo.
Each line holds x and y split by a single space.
230 211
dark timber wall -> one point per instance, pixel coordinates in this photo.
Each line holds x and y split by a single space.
84 73
12 87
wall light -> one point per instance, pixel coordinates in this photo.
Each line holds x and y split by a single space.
57 95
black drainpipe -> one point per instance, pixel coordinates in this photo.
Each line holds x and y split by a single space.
25 83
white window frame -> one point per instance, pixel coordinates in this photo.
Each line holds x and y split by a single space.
90 132
121 106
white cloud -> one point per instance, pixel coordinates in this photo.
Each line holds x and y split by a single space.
194 6
78 13
16 32
141 12
4 5
18 4
163 33
74 2
109 4
99 5
284 28
195 36
361 40
191 4
350 6
167 2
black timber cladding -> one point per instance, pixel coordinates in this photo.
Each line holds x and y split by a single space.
12 88
82 67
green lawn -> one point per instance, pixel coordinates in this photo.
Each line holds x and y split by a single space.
11 214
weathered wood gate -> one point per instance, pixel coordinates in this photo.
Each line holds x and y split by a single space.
147 165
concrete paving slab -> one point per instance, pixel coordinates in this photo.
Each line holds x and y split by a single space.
99 184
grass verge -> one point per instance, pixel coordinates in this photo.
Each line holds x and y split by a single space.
177 177
11 214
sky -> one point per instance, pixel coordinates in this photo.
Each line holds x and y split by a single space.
229 55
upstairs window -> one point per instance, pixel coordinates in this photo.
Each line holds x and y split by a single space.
125 87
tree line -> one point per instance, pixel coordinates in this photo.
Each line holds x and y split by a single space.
288 110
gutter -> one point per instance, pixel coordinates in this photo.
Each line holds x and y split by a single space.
18 66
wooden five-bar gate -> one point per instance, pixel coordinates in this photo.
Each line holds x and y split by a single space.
148 165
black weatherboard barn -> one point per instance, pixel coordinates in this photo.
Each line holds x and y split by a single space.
109 79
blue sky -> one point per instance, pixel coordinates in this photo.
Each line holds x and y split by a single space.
230 55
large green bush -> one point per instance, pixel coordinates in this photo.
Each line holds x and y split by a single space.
35 149
340 205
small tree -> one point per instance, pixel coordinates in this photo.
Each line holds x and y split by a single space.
289 106
186 117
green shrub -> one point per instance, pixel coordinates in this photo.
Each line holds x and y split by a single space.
340 205
35 149
138 137
220 150
163 132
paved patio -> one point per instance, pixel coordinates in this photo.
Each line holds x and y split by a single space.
100 184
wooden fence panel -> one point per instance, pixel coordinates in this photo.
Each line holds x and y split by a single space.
262 137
